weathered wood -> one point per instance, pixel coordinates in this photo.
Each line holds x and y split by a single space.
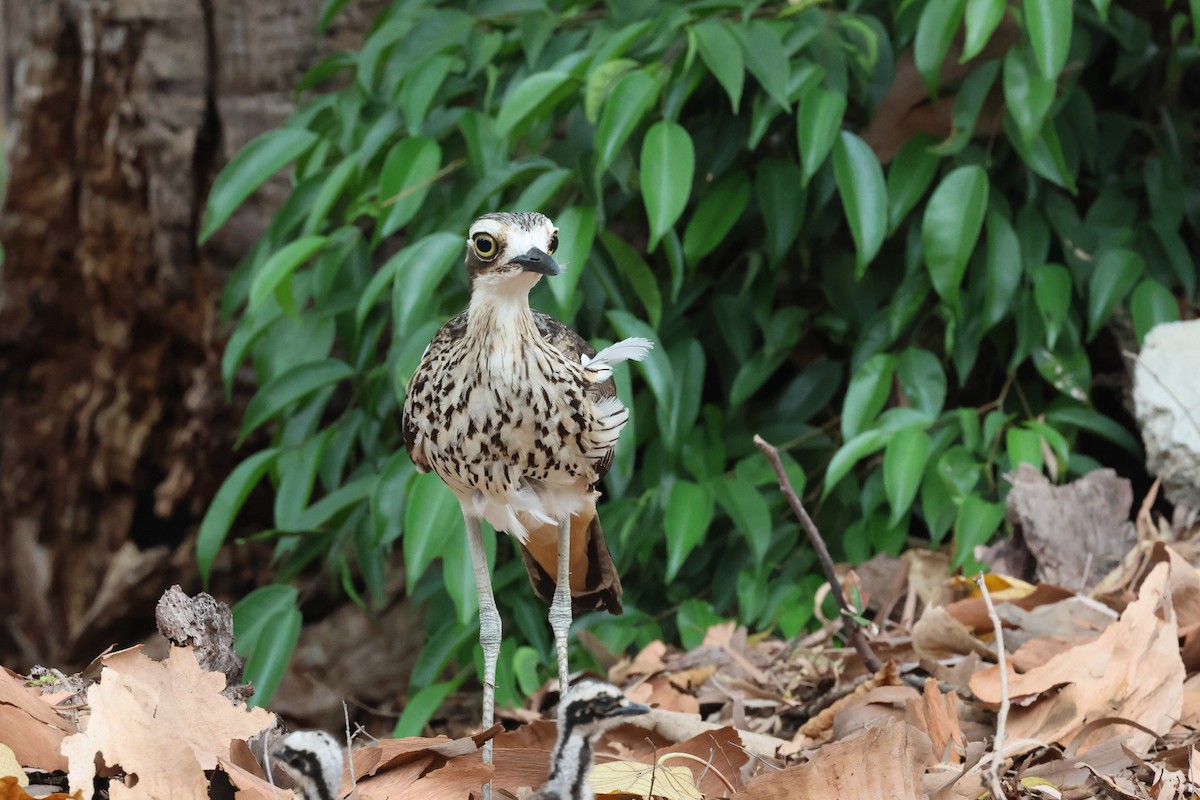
114 431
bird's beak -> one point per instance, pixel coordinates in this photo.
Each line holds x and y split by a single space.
537 260
629 710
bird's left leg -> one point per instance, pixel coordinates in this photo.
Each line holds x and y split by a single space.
489 630
560 604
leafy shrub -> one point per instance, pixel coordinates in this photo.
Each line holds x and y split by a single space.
906 334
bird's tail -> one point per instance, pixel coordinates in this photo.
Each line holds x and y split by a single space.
595 584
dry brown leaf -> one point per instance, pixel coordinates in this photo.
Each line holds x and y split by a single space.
455 779
249 785
886 762
972 611
163 724
660 692
936 714
30 726
938 634
670 782
1133 670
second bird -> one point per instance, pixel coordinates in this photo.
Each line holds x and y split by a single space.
519 416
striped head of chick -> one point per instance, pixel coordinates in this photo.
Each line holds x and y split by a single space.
313 760
590 707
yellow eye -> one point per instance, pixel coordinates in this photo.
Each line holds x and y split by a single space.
553 243
485 245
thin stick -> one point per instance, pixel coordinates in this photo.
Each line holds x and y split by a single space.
995 758
858 636
349 745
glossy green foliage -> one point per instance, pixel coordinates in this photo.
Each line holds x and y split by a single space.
905 331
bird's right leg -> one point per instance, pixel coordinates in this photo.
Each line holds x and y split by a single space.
489 631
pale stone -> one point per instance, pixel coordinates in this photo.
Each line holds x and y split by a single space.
1166 396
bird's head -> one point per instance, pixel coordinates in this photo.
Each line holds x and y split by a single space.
511 251
590 707
313 760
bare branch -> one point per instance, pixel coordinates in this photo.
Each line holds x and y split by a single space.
858 636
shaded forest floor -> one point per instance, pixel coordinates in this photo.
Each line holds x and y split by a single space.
1005 687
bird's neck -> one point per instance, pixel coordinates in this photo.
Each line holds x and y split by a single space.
569 765
500 309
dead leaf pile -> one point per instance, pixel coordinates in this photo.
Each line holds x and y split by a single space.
1100 697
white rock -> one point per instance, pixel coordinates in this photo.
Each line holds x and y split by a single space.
1166 397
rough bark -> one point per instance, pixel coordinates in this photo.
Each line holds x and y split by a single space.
114 430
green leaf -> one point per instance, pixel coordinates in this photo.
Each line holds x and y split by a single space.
767 60
851 453
253 166
431 516
600 81
869 388
408 175
677 415
1094 422
297 474
950 229
864 196
1052 293
780 189
631 98
1004 270
1027 95
976 522
969 101
637 272
687 516
458 576
266 625
1066 369
420 268
668 165
1117 272
722 55
981 19
576 234
1048 25
525 97
1152 304
749 511
715 216
280 266
330 191
421 707
294 384
909 176
317 515
922 381
903 468
419 89
818 121
935 31
1024 447
225 506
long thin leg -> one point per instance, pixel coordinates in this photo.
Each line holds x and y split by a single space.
560 605
489 632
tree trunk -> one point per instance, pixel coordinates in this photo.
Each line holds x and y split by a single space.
114 429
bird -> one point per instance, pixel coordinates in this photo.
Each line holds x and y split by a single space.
313 760
519 416
586 710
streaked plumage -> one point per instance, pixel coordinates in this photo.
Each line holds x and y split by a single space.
585 711
513 411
